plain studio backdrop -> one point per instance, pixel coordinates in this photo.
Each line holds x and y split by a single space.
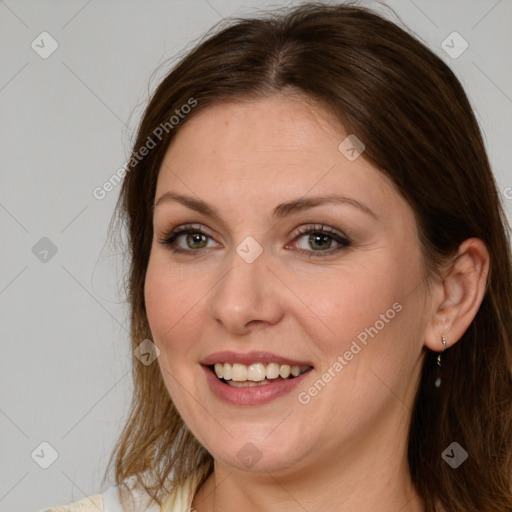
74 78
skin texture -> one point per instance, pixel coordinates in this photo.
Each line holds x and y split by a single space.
346 448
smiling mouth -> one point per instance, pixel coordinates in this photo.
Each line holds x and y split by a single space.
256 374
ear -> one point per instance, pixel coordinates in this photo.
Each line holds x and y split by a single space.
457 298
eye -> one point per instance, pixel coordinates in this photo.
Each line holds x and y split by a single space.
195 239
320 238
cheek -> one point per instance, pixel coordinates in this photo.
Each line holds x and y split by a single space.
169 296
370 318
167 304
167 301
157 298
353 301
176 308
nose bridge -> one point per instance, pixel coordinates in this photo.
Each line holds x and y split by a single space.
247 293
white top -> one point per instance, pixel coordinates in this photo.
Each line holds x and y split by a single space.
112 502
116 499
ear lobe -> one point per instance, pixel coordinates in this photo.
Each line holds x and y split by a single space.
460 295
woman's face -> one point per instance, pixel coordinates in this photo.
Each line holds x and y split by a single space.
346 301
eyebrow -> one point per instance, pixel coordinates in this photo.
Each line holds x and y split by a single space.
280 211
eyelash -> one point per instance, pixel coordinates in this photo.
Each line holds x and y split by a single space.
169 239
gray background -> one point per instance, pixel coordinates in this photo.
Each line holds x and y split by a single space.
66 125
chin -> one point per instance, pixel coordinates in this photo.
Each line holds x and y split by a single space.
257 453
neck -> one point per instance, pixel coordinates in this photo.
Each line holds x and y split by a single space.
371 474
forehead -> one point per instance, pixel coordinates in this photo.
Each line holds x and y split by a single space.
260 148
276 123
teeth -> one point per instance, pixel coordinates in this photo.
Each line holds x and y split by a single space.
247 383
239 372
257 372
219 370
226 371
272 371
285 370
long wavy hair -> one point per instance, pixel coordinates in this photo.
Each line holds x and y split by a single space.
419 129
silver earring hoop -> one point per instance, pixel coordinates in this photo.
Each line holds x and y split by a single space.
438 380
444 347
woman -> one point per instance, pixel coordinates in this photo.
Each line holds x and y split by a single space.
320 280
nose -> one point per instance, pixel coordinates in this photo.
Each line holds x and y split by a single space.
249 295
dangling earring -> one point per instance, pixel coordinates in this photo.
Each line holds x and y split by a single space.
438 380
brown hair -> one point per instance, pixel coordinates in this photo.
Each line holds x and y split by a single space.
419 129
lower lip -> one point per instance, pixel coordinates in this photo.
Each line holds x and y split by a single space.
251 395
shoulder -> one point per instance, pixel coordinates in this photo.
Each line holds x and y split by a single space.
114 499
132 498
92 503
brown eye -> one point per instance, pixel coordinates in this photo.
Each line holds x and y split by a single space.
320 240
194 239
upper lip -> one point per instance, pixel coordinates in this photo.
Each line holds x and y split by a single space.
250 358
